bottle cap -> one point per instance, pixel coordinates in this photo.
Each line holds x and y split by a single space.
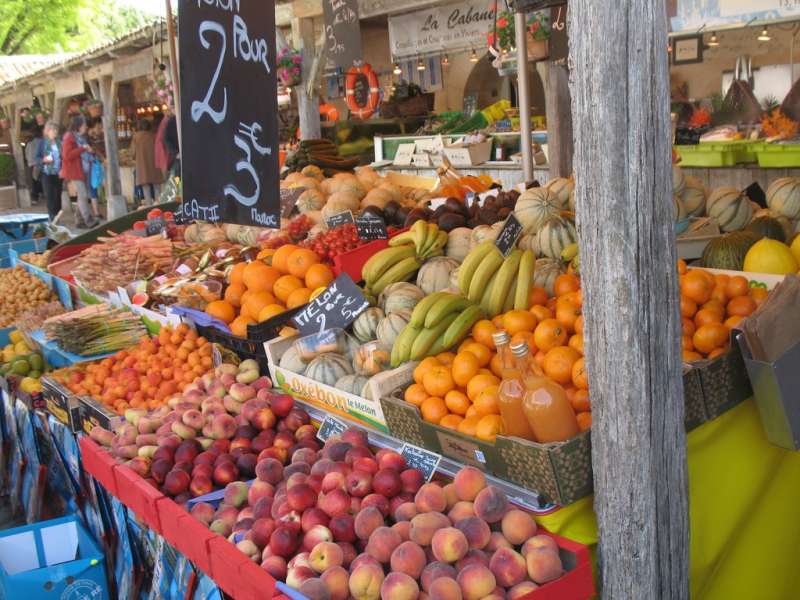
500 337
519 349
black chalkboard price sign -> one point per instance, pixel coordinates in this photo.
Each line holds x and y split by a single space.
289 198
341 218
509 234
421 459
338 306
330 426
342 32
371 227
228 106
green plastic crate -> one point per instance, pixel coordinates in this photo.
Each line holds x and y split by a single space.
779 155
707 155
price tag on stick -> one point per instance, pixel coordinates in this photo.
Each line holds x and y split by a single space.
330 426
371 227
338 306
421 459
341 218
509 234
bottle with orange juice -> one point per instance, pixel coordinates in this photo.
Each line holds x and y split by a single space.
512 388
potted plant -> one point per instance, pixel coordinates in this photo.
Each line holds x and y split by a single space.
94 108
501 44
538 34
290 67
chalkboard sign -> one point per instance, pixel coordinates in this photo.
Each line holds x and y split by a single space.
371 227
180 217
509 234
337 306
289 199
341 218
423 460
342 32
330 426
228 103
756 193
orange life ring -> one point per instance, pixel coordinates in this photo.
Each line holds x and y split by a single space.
362 112
329 112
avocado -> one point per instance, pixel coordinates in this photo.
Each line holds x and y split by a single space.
35 374
20 367
36 361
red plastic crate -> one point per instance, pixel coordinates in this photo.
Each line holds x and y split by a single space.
352 262
185 533
226 561
138 495
99 464
254 582
577 583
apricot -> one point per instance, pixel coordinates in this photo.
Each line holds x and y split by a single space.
521 589
468 482
539 541
543 565
476 581
424 526
461 510
491 504
408 558
449 544
399 586
336 579
517 526
476 531
445 588
508 567
430 498
436 570
365 582
497 540
382 543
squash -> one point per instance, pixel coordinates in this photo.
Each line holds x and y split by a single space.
534 207
311 199
328 368
326 186
730 208
376 197
350 187
678 180
786 224
770 256
728 251
291 361
400 296
351 201
562 188
767 227
458 243
545 272
783 196
372 358
694 196
394 190
315 216
680 209
434 275
351 384
337 205
480 234
391 326
530 241
309 183
366 324
367 177
292 178
555 235
313 171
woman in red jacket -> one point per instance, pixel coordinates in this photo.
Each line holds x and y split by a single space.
73 146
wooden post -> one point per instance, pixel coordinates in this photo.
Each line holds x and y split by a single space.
560 145
620 102
307 105
175 70
108 96
23 193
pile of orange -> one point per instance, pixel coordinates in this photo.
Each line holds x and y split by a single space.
460 391
145 375
711 305
278 280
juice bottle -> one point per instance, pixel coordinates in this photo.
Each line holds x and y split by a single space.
546 406
512 388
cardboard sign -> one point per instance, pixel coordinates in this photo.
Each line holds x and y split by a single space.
371 227
330 426
289 199
229 100
509 234
338 306
423 460
404 155
94 414
341 218
342 31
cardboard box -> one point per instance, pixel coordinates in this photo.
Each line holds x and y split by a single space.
468 155
61 403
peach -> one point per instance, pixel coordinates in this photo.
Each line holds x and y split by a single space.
430 498
326 555
521 589
367 521
336 579
476 581
497 594
387 482
269 470
449 544
496 540
508 567
425 525
295 576
336 502
543 565
382 543
461 510
469 481
450 495
314 589
404 529
491 504
473 557
343 528
316 535
445 588
399 586
408 558
365 582
405 512
411 480
275 566
364 559
539 541
236 493
475 530
517 526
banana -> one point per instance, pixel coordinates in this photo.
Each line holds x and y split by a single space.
407 237
398 272
487 293
421 310
435 248
524 280
509 301
430 239
471 263
451 303
382 261
569 252
488 267
401 350
459 328
420 231
502 284
425 340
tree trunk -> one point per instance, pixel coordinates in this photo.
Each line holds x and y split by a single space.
559 119
620 108
307 106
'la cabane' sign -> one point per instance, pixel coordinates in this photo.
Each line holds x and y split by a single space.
447 27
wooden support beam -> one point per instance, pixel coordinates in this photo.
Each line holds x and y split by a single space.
107 88
307 105
560 145
23 193
620 108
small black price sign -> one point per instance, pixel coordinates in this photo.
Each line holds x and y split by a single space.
289 199
94 414
341 218
330 426
756 193
336 307
423 460
60 404
180 217
509 234
156 225
371 227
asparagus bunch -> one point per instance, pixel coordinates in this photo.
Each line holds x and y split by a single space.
96 329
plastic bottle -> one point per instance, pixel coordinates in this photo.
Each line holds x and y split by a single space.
512 388
546 406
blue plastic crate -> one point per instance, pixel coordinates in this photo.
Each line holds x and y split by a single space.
15 249
14 228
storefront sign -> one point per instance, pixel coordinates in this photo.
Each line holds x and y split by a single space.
693 14
228 102
438 28
342 32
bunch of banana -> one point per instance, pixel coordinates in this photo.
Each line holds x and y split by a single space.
570 256
495 283
439 322
427 238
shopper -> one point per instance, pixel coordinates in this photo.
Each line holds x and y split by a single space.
48 158
34 169
144 153
74 167
95 174
172 145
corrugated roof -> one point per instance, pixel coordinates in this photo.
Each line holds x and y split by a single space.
19 66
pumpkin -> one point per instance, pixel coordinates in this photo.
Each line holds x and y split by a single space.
694 196
391 326
366 324
372 358
434 275
311 199
313 171
728 251
394 190
767 227
376 197
351 201
680 209
545 272
534 207
307 182
293 178
400 296
555 235
367 177
770 256
328 368
783 196
458 243
562 188
786 224
678 180
480 234
291 361
530 241
351 384
730 208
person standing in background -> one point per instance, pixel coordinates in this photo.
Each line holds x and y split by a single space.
48 158
34 169
95 174
143 149
73 171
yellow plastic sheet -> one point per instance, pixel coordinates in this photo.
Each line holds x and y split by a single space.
743 512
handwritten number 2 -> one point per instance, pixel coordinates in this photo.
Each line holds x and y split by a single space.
321 320
204 108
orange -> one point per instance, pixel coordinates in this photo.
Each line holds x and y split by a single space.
759 295
691 356
482 332
269 311
234 294
682 268
515 321
280 260
537 295
446 358
481 352
222 310
584 420
566 283
736 286
705 316
719 294
469 425
741 306
425 365
485 371
451 422
239 326
549 334
688 326
696 285
285 285
259 277
319 276
580 401
471 412
465 367
567 312
579 325
721 280
300 261
687 343
265 254
541 312
578 375
438 381
456 402
299 297
717 352
236 273
464 344
688 307
433 409
524 336
243 312
558 363
488 428
710 336
496 365
486 402
576 343
256 301
733 321
498 321
479 383
415 394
